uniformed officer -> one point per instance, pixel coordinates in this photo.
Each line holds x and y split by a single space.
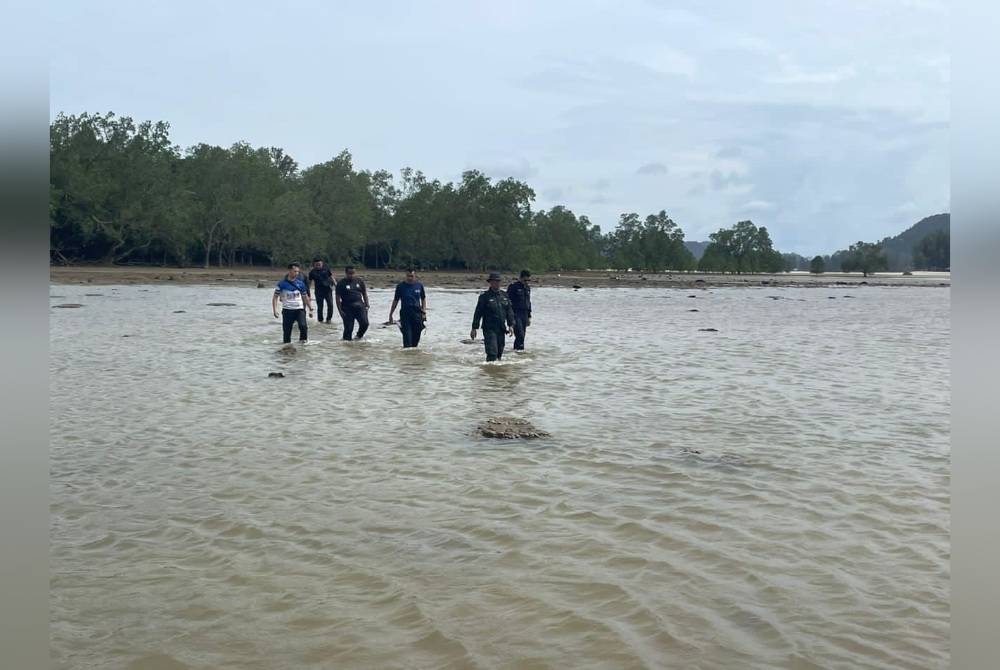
519 293
352 302
497 316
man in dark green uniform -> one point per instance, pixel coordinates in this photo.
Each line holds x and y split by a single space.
497 316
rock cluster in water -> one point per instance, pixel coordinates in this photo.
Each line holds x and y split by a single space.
509 428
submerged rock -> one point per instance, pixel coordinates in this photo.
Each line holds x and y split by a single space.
275 374
221 304
69 305
509 428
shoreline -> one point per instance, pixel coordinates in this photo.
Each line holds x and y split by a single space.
244 276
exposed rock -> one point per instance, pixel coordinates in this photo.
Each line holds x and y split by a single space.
260 284
275 374
862 283
832 297
509 428
699 281
179 311
221 304
69 305
692 310
93 295
467 341
708 330
577 286
692 296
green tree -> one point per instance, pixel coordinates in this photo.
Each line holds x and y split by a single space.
933 251
817 266
864 257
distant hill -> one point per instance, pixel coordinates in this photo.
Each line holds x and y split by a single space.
899 249
696 248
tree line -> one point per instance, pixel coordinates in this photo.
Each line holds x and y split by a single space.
122 192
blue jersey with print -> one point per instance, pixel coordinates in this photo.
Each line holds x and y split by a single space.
409 295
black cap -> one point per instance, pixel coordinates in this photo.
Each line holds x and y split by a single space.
525 273
494 275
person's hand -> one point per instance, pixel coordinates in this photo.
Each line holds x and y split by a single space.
310 312
510 331
527 322
390 320
341 313
472 335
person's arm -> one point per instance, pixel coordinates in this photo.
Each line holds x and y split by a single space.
395 301
423 302
274 304
308 301
364 294
336 297
509 314
477 317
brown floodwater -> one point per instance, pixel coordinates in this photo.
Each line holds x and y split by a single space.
774 494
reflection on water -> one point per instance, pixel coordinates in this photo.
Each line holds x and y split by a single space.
774 494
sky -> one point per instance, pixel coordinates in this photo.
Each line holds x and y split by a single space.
826 122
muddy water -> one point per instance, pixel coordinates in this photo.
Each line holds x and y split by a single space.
774 494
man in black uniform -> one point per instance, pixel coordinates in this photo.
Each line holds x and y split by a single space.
495 312
520 299
322 279
352 303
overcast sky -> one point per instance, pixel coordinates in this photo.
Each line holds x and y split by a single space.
827 122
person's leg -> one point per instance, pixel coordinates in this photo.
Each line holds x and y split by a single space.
519 320
418 328
406 327
286 325
490 344
320 299
303 325
348 322
361 314
329 306
501 340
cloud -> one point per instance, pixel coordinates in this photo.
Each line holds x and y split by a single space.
554 194
794 75
515 168
758 206
652 169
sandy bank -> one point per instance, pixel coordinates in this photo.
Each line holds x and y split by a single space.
476 280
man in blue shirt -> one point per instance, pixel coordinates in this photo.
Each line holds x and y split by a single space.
293 293
413 312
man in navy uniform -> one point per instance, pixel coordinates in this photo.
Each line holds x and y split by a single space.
352 303
519 293
322 278
497 316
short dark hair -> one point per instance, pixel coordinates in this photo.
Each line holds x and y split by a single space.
317 260
410 270
292 265
525 273
349 267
